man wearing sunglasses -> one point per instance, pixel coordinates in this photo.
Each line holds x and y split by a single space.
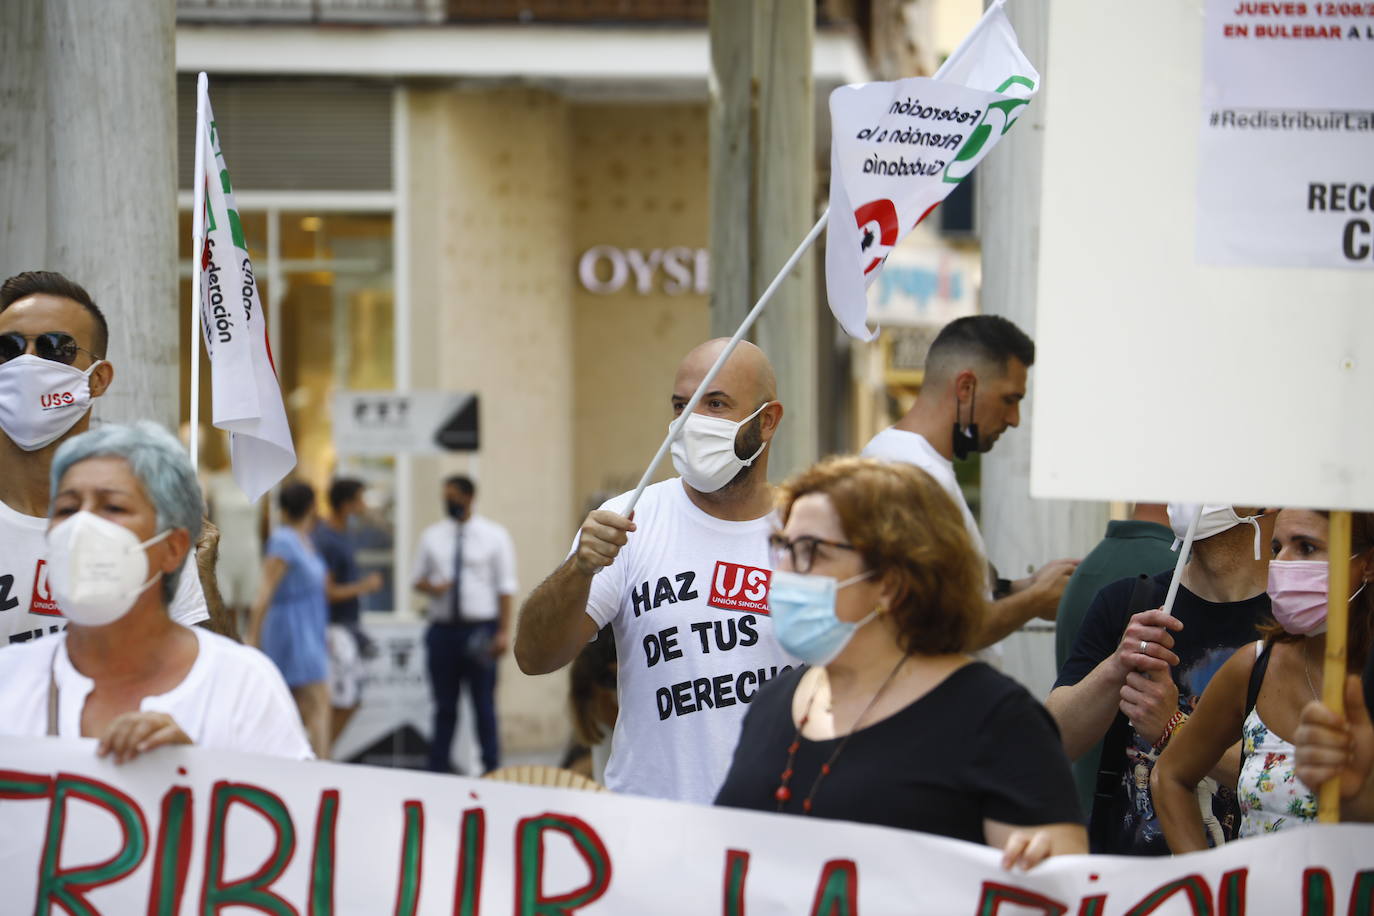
53 341
684 585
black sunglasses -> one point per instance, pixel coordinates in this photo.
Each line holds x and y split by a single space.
54 345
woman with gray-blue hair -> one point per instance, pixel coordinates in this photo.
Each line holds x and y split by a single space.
126 509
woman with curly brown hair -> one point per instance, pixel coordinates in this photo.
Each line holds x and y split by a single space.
878 588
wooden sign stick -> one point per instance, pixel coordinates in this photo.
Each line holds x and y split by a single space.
1333 670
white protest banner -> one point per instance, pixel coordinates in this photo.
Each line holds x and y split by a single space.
244 391
190 831
899 148
1287 135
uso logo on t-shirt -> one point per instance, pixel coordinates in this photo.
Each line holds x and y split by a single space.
735 587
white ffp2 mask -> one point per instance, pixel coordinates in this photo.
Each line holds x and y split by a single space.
705 452
97 569
41 399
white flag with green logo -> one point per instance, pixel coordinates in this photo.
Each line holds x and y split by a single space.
899 148
245 395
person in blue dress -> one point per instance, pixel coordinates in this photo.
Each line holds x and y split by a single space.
289 615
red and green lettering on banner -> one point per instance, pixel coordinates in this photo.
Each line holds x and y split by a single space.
169 853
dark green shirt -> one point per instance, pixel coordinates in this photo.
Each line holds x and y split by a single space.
1130 548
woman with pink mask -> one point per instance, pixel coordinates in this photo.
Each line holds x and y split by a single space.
1258 696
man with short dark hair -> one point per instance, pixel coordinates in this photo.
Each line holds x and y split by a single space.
344 585
53 365
466 565
975 379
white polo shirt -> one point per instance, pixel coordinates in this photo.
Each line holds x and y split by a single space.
488 567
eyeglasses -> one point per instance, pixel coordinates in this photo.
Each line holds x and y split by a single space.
54 345
802 550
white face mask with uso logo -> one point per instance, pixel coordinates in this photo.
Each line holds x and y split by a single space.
41 399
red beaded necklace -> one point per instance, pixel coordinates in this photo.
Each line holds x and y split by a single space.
783 793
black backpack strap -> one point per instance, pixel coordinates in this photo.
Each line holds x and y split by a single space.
1257 677
1145 594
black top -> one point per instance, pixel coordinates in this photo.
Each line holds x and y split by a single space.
339 558
977 746
1125 823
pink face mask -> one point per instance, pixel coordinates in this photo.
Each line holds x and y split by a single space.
1297 595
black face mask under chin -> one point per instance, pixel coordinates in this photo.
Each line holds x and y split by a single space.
965 437
456 510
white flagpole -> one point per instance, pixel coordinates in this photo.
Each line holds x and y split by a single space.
197 247
1183 552
676 427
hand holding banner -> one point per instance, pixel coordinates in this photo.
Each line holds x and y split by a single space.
899 148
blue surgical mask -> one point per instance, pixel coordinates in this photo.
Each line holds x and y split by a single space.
803 611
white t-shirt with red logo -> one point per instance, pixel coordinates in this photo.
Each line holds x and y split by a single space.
688 600
27 608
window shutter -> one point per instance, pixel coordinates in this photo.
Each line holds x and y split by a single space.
293 134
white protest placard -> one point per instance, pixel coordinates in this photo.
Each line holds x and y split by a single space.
185 831
406 422
1286 141
1158 378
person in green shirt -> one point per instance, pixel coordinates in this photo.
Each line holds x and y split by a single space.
1139 545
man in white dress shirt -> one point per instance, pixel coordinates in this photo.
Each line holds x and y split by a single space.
466 565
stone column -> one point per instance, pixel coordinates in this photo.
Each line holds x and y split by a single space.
87 168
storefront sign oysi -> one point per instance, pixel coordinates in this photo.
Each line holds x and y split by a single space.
677 271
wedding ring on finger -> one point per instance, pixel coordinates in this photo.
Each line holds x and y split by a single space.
1144 646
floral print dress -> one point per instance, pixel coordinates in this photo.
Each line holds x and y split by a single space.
1271 795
